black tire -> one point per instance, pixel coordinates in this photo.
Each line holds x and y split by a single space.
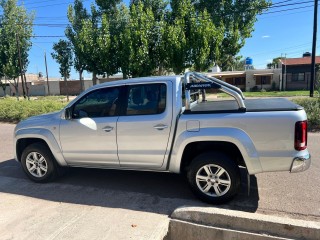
224 177
38 163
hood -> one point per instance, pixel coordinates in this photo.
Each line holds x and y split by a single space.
41 121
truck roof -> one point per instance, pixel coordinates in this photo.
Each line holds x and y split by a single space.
139 80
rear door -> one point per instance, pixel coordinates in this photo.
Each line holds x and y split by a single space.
143 132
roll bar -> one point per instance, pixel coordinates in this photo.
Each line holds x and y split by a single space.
229 89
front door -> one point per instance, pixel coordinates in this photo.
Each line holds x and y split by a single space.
89 137
143 132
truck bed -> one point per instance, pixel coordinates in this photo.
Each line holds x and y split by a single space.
252 105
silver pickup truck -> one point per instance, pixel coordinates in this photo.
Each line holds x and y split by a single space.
155 124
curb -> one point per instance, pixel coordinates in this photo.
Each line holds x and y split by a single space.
213 223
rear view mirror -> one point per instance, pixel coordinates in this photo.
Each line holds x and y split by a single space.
67 113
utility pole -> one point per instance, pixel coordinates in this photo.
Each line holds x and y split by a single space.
285 72
314 45
20 64
45 61
281 82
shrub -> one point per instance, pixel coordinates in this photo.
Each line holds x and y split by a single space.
12 110
312 108
254 89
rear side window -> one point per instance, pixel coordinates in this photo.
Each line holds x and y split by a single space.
146 99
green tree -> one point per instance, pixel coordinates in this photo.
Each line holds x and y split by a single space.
237 18
98 47
137 40
108 6
117 16
177 36
158 7
107 49
63 55
89 35
15 27
118 50
238 63
275 63
76 15
205 40
157 50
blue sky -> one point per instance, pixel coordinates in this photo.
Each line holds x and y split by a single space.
287 32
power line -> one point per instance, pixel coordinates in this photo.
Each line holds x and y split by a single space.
282 2
290 4
32 3
57 4
280 50
38 36
273 6
285 10
281 15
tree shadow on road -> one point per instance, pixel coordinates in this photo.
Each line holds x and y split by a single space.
140 191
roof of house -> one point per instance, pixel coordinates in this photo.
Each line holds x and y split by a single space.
299 61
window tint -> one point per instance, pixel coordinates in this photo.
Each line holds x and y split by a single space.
99 103
146 99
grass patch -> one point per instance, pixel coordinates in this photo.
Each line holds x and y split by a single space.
312 108
12 110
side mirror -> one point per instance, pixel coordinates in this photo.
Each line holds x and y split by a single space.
67 113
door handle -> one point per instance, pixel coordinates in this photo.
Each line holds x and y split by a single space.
160 126
107 129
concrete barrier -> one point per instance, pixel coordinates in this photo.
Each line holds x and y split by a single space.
191 223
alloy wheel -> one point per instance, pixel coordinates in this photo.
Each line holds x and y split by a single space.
36 164
213 180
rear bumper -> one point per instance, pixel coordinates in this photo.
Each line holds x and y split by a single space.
300 164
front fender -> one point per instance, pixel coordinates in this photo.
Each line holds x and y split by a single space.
231 135
46 136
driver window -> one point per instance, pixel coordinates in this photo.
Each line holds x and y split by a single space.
99 103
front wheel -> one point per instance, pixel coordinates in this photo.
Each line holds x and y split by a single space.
214 177
38 163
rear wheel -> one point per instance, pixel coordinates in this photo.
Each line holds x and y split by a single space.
214 177
38 163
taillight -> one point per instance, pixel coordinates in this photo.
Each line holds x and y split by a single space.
301 135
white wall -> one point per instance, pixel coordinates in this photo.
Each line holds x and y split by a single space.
37 90
54 88
8 92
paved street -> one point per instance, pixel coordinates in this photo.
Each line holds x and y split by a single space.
108 204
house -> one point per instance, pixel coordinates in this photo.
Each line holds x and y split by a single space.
296 72
251 79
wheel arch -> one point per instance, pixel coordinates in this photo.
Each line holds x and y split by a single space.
25 137
22 143
193 149
190 144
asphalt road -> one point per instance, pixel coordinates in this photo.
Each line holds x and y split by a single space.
110 204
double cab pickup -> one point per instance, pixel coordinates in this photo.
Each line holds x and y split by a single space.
158 124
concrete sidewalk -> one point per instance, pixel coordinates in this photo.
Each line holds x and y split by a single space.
62 211
38 211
